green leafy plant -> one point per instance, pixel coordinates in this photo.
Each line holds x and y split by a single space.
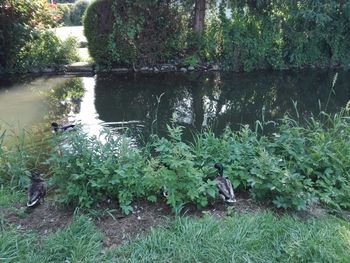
88 171
173 170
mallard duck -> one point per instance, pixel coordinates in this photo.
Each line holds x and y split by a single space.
56 127
224 185
37 188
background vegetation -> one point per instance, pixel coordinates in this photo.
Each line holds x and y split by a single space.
26 44
240 35
72 13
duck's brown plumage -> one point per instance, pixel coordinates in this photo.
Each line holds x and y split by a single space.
224 185
37 188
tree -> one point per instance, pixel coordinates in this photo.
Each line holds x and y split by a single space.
199 16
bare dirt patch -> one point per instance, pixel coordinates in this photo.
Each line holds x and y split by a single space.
45 218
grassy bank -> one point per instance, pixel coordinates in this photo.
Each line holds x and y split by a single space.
251 237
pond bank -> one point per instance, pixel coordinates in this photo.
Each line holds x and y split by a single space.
87 67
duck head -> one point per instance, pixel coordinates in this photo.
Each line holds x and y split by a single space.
54 126
36 176
220 168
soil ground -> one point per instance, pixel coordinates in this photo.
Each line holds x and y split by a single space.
116 227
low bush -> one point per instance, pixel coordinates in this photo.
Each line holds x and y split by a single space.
46 50
88 171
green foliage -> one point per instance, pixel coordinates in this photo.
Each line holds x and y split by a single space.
77 12
241 35
293 168
96 32
10 196
296 166
281 33
65 10
191 61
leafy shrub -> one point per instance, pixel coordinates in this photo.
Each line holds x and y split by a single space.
173 170
88 171
46 50
291 169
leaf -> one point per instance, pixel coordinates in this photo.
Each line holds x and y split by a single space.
235 183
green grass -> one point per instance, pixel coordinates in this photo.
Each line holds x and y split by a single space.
259 237
10 196
78 242
251 237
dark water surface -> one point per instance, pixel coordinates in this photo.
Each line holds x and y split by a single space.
146 103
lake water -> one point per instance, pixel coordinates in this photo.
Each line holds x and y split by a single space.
145 103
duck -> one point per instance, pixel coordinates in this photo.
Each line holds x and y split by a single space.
37 188
55 127
224 185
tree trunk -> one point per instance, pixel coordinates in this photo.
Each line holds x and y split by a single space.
199 16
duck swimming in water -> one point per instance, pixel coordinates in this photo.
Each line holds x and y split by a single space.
224 185
56 127
37 188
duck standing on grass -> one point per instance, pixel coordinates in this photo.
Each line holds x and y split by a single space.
55 127
224 185
37 188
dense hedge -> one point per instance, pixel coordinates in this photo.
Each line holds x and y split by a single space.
126 32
